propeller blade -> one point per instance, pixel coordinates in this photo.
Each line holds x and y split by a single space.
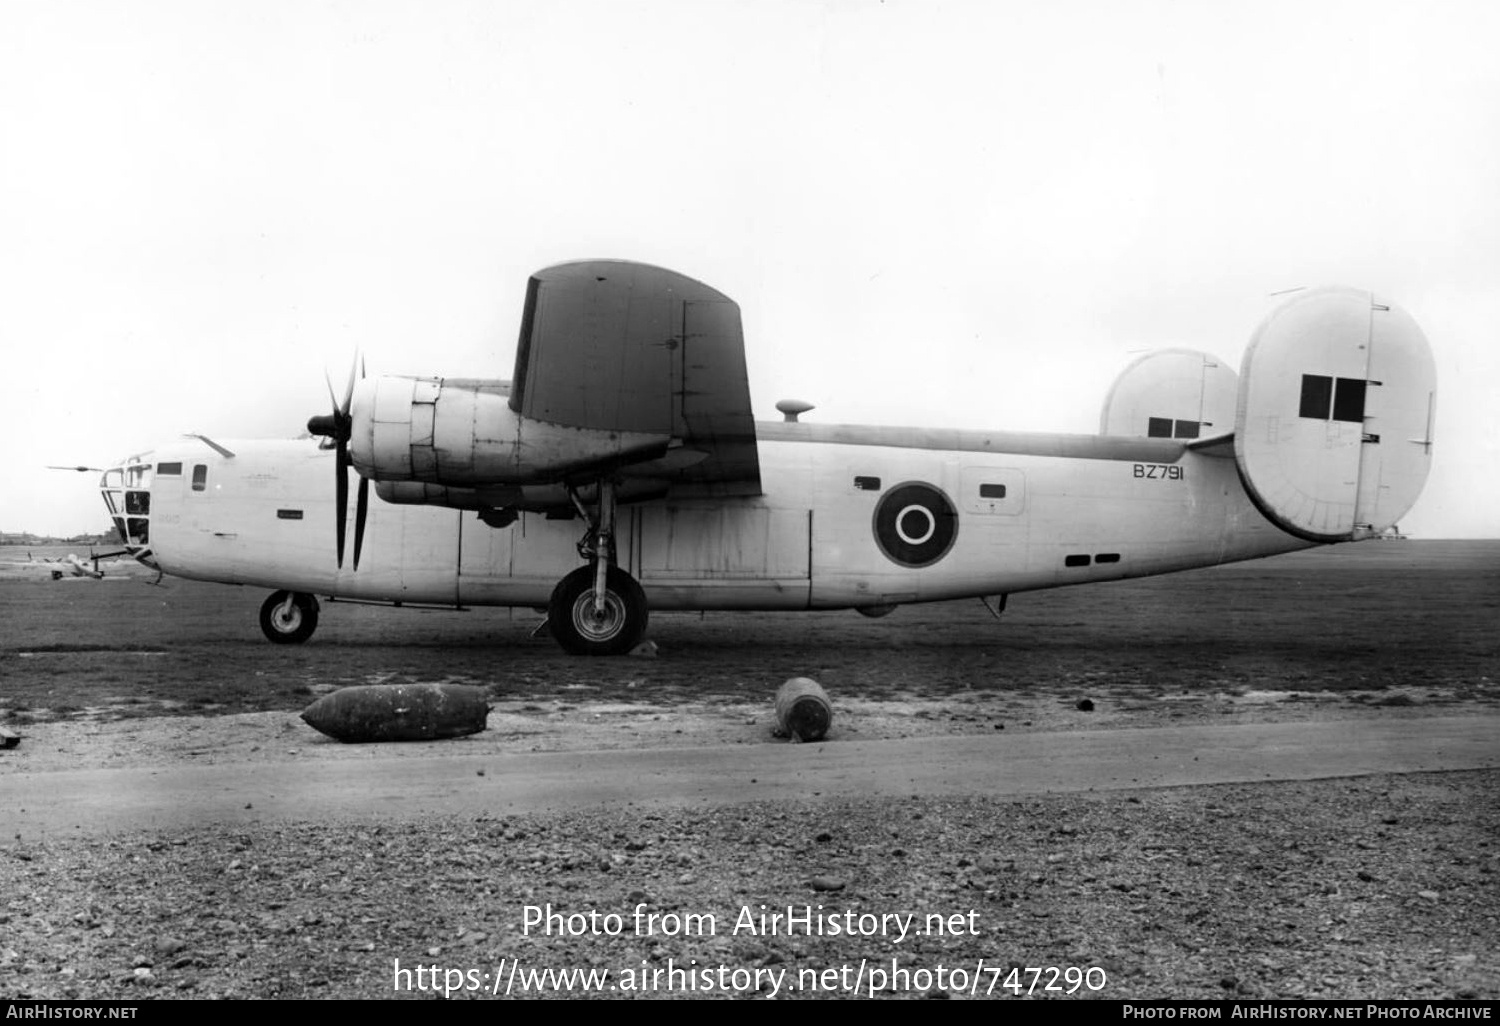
337 427
341 494
361 507
349 389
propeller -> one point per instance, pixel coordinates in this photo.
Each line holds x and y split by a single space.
339 426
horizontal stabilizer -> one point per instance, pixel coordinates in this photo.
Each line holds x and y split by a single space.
1333 435
1216 445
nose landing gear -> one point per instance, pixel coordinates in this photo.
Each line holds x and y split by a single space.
289 617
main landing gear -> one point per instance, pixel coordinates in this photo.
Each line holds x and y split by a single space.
598 609
289 617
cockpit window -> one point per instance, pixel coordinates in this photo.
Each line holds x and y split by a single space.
200 477
138 503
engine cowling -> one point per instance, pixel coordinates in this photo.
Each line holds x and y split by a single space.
462 433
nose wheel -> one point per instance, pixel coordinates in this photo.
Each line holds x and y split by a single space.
289 617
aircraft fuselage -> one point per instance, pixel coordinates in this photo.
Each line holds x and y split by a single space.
850 518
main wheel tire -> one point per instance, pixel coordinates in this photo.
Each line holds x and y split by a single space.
578 629
289 617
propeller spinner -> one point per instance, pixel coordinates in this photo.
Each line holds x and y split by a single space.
338 426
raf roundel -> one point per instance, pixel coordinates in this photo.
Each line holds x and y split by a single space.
915 524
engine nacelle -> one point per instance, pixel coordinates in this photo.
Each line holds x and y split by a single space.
543 498
464 434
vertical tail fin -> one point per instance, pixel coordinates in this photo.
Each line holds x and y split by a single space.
1333 433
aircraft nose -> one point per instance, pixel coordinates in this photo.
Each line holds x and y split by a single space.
126 490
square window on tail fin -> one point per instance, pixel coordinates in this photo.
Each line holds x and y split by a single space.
1317 395
1349 400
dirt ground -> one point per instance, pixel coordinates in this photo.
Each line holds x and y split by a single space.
1378 886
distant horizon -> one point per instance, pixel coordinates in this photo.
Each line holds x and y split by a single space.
968 215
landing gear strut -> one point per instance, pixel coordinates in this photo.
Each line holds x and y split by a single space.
598 609
289 617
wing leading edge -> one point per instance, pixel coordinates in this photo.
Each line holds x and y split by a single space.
619 346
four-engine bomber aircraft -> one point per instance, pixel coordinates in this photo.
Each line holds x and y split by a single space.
621 470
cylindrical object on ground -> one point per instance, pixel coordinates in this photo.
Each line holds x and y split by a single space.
803 712
400 712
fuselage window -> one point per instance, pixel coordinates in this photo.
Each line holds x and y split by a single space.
1185 429
992 491
169 468
1075 561
200 477
867 484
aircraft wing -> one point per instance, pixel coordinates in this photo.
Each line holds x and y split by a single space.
618 346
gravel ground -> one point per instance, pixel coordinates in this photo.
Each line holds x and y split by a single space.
1359 888
1376 887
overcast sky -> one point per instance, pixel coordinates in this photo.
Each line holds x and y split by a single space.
964 213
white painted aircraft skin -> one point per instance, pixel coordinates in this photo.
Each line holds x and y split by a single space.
694 507
264 517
